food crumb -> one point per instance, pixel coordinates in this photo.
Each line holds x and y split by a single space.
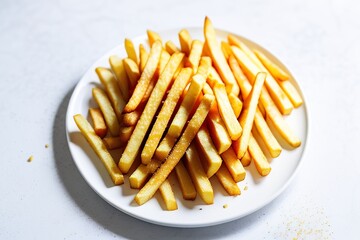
30 158
225 206
246 188
200 209
46 145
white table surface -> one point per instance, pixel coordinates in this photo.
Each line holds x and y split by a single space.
46 46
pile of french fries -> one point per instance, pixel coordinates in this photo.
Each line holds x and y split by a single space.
192 110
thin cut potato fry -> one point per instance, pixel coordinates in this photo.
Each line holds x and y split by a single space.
272 111
168 196
133 146
132 71
187 187
130 50
97 118
146 76
277 94
149 89
291 92
99 148
153 37
226 112
204 66
176 154
206 51
164 148
107 110
248 114
207 89
198 175
113 143
125 133
131 118
234 165
246 159
273 68
185 41
164 59
225 47
218 57
144 55
236 104
138 178
171 48
261 163
117 66
226 180
194 55
164 115
112 89
270 141
210 158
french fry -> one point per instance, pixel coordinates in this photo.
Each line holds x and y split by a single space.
148 92
218 57
138 178
125 133
198 175
133 146
117 66
272 111
246 159
131 118
153 37
234 165
236 104
204 66
225 47
273 68
171 48
168 196
113 143
176 154
227 181
99 148
132 71
226 112
214 78
165 114
248 114
261 163
291 92
144 55
107 110
270 141
194 55
112 89
210 158
164 58
165 146
97 118
206 51
185 41
207 89
145 78
277 94
187 187
130 50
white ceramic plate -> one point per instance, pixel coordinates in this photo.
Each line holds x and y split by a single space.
261 190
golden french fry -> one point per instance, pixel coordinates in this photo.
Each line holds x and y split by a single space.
146 76
118 68
153 37
270 141
176 154
210 158
132 71
206 51
186 185
133 146
112 89
107 110
225 47
227 181
204 66
207 89
131 118
138 178
198 175
261 163
144 55
125 133
248 114
164 115
214 78
246 159
113 143
130 50
249 64
99 148
236 104
171 48
148 92
194 55
168 196
164 58
97 118
272 111
226 112
234 165
272 67
185 41
218 57
291 92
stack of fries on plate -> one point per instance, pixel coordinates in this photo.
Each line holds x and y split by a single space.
191 110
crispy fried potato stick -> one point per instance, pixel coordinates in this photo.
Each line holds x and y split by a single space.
234 165
261 163
227 181
194 55
185 41
225 47
273 68
141 174
153 37
187 187
130 50
171 48
132 71
98 120
113 143
98 146
117 66
236 104
144 55
168 196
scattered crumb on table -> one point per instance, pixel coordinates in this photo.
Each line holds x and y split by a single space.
46 145
30 158
246 188
225 206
